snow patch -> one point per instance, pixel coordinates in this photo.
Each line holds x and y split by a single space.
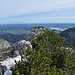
8 72
10 63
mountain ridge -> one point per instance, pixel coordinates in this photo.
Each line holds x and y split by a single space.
69 36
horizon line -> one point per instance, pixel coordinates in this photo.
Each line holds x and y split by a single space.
41 23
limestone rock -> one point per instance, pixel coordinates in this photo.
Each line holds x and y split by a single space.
35 31
20 46
4 44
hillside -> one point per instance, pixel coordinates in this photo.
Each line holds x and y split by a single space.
49 55
12 38
69 36
22 45
14 32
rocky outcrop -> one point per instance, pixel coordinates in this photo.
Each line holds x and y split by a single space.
68 49
20 46
4 44
35 31
5 47
2 69
69 36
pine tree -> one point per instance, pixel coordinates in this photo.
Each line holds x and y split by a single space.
46 57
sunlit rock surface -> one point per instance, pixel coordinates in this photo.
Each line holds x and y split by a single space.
4 44
35 31
20 46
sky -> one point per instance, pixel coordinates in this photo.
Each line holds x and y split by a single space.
37 11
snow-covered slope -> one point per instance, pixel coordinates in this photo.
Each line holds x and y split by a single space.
9 63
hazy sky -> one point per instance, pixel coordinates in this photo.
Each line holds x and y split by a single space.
37 11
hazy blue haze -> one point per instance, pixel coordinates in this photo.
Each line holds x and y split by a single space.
31 25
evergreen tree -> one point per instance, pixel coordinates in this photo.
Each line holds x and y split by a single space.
46 57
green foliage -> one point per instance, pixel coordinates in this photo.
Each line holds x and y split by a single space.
17 72
47 40
46 57
38 63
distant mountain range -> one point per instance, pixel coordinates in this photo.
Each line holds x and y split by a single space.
12 38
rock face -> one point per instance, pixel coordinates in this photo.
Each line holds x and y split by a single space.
35 31
69 36
2 69
4 44
20 46
68 49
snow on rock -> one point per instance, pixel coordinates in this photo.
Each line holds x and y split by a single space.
10 63
8 72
